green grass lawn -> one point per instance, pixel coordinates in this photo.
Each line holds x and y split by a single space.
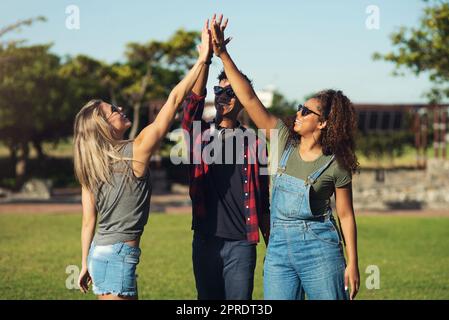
412 254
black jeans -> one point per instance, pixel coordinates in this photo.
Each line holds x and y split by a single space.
223 269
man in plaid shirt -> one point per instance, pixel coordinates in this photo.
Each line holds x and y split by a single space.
230 199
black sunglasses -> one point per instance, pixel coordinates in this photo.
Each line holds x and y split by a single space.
306 111
114 108
227 90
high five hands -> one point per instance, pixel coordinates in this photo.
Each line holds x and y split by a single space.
205 48
218 39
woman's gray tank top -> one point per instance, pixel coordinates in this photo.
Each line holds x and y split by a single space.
124 205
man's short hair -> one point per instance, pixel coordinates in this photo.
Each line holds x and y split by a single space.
222 76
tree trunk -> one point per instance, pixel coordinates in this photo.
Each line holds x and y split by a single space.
136 117
112 95
39 150
137 103
21 164
13 154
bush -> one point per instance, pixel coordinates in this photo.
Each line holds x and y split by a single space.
384 144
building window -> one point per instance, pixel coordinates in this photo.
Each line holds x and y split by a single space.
373 119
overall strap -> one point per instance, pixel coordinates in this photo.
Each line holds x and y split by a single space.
284 158
312 178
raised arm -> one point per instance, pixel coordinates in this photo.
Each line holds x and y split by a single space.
243 90
148 139
200 85
194 103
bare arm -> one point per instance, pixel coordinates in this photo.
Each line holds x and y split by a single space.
88 224
148 139
87 234
345 211
243 90
150 136
200 85
194 105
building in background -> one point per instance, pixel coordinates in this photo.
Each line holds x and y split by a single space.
428 123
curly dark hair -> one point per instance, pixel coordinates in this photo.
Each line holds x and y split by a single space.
338 136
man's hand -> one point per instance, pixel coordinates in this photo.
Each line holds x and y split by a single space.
218 39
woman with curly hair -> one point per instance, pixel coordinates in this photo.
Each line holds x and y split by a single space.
317 160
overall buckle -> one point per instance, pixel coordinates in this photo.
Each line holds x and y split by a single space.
309 181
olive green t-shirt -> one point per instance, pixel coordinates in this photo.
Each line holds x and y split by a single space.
322 190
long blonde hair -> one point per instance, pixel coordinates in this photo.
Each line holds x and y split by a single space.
95 148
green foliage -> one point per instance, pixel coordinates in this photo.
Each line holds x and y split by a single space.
281 107
58 170
86 78
384 144
34 98
33 105
40 93
425 49
157 67
17 27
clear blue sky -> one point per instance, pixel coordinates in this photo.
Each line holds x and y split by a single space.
296 46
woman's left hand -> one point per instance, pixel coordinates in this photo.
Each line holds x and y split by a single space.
205 48
352 279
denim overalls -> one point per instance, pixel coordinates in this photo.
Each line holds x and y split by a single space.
305 254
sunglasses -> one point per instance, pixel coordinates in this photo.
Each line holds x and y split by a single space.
114 108
227 90
306 111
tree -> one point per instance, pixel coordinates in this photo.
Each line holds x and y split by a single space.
29 96
32 103
152 70
86 78
15 27
425 49
281 107
380 145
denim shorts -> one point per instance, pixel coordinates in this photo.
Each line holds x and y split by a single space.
113 269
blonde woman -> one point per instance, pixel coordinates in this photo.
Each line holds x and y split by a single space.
116 187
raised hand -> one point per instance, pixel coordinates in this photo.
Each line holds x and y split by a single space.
205 48
218 39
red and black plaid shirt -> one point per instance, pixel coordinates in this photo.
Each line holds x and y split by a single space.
255 186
